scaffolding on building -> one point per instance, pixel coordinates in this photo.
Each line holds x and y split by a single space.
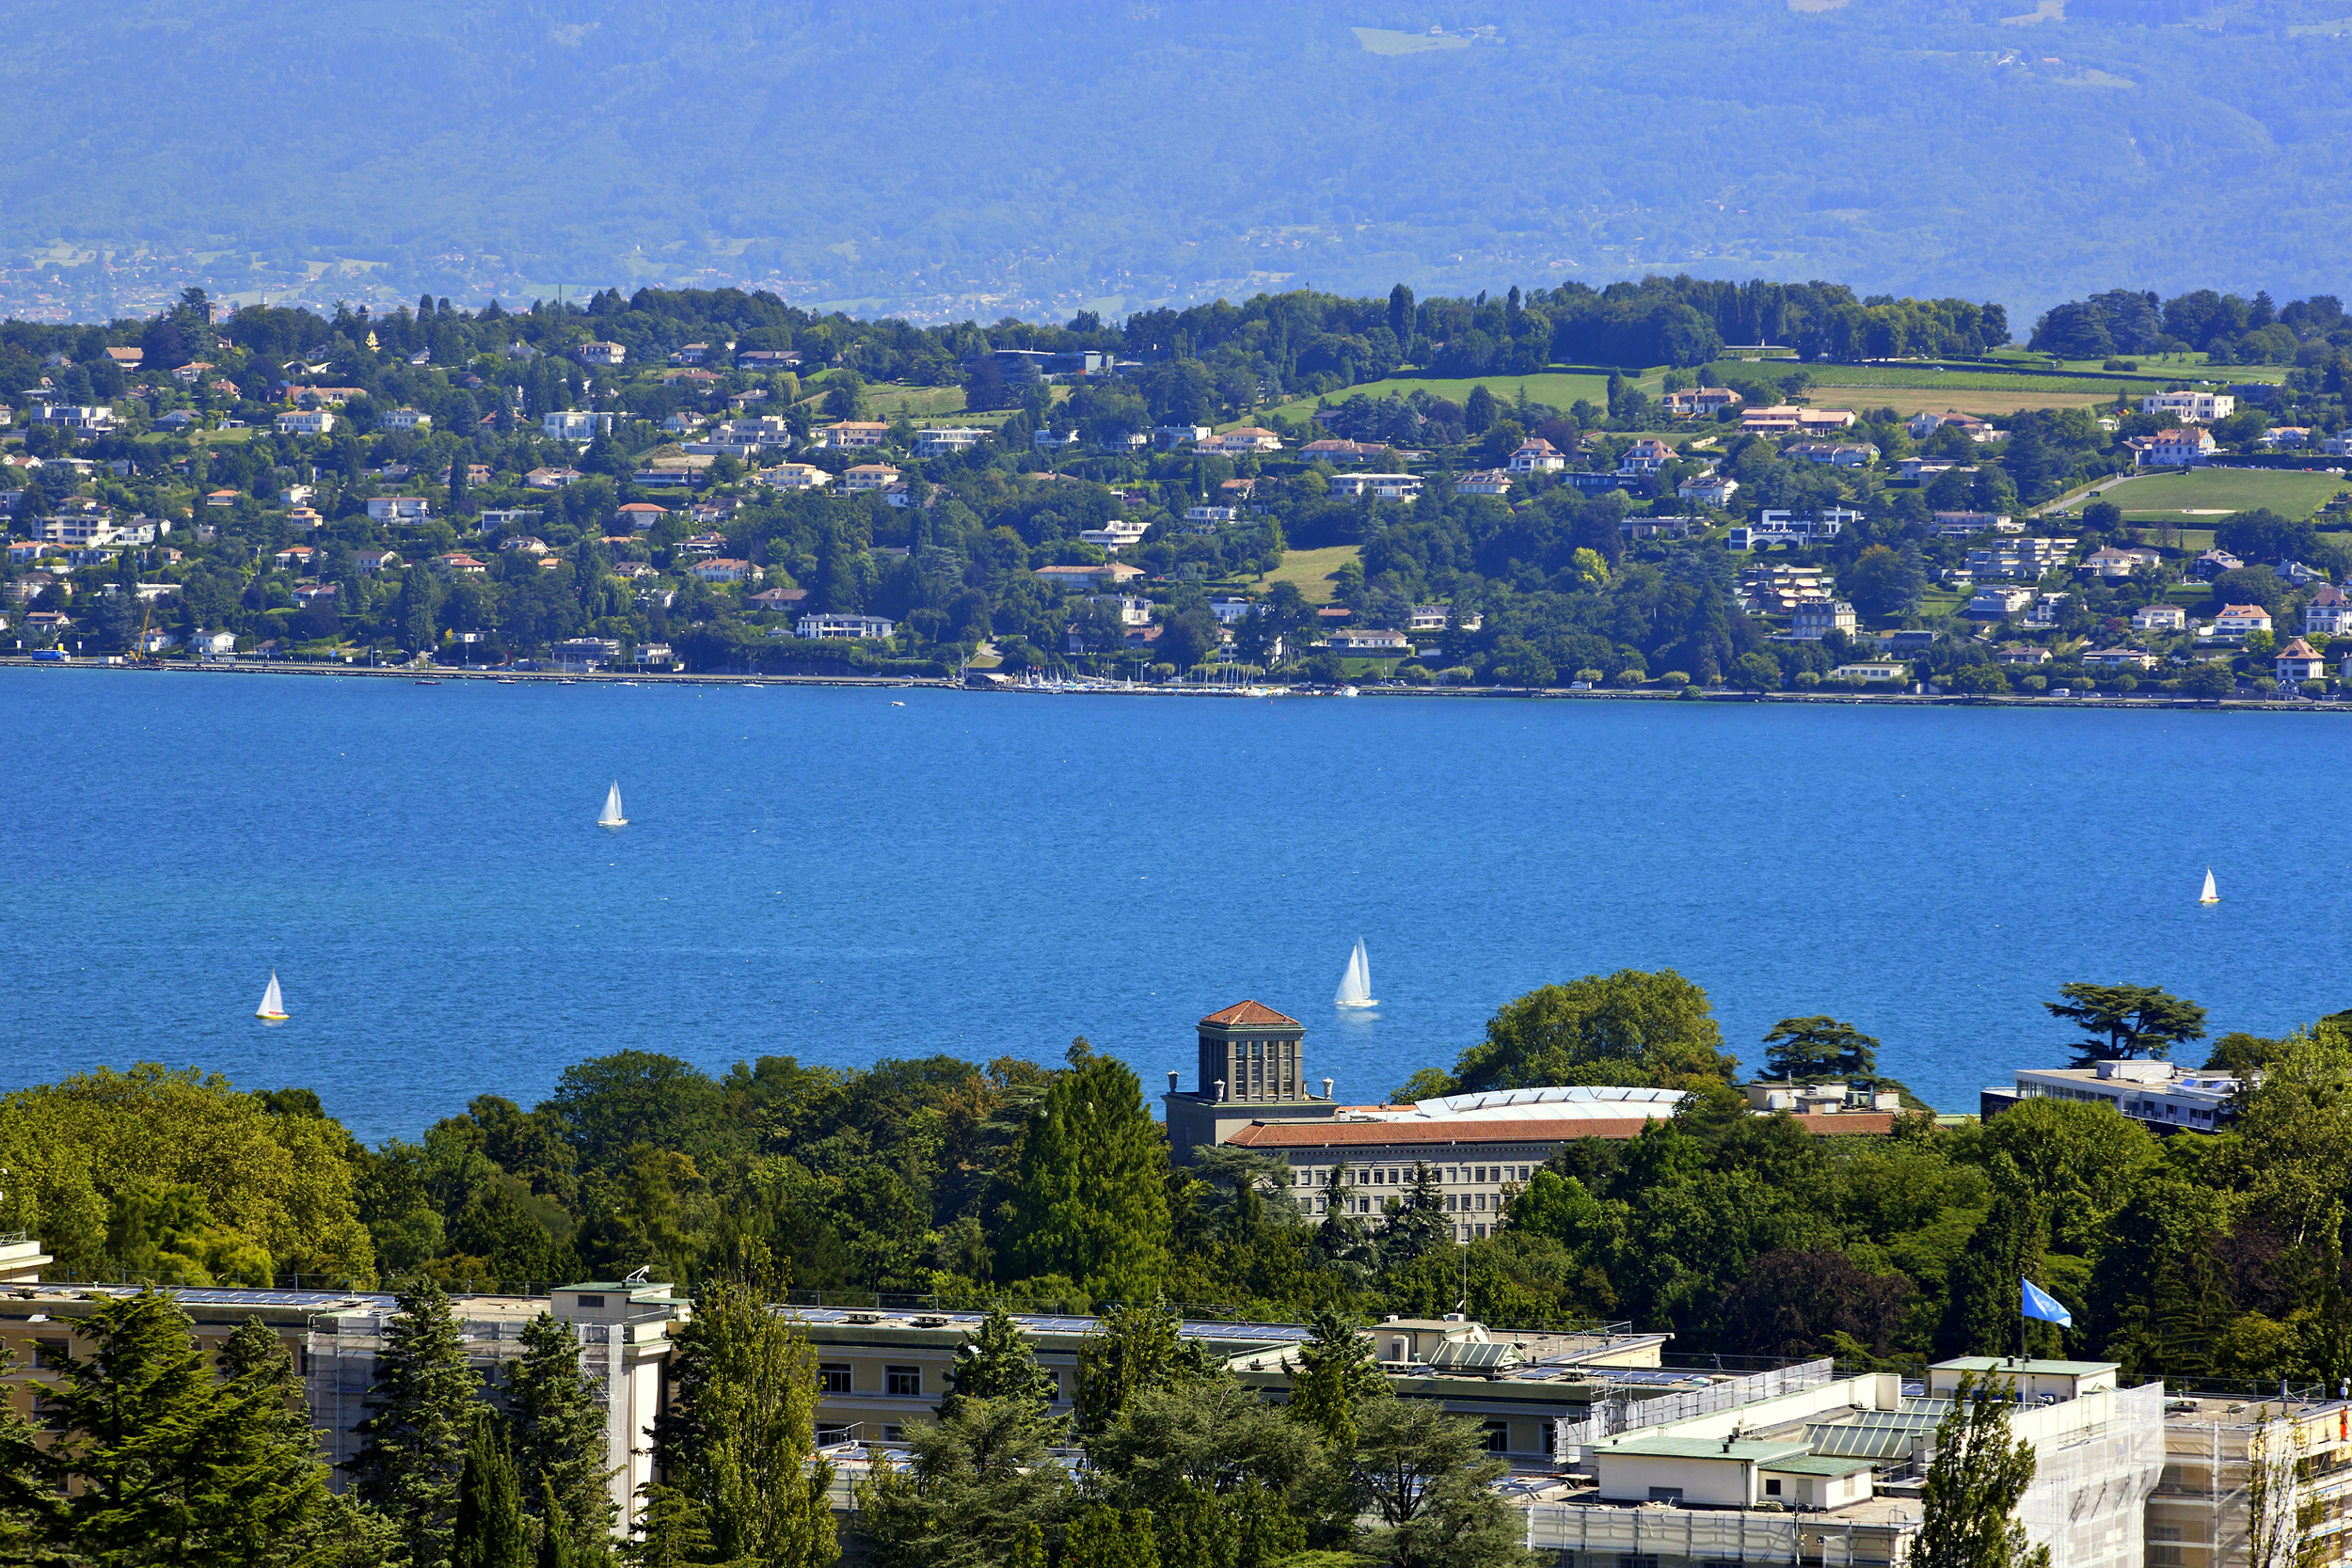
2204 1511
2097 1458
1618 1408
338 1357
1602 1537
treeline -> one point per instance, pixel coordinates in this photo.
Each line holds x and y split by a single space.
975 1182
2225 327
1266 347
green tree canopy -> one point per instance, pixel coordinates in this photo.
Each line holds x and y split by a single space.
1336 1372
2123 1022
739 1445
421 1409
165 1461
994 1362
1089 1201
1974 1483
489 1530
977 1479
1426 1475
1817 1048
1634 1028
561 1447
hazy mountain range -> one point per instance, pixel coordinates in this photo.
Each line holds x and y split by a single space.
1018 157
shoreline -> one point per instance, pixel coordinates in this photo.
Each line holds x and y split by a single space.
2164 700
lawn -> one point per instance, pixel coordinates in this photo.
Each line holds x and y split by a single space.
1557 387
2217 492
200 437
1936 400
916 403
1312 570
1922 376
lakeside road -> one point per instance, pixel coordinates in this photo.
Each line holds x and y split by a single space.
2165 701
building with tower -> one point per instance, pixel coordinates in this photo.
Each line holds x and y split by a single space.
1252 1069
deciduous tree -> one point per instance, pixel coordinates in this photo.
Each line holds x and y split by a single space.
1974 1483
1631 1027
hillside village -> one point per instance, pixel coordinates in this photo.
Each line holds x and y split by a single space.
718 482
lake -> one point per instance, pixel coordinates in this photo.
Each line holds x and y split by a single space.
825 874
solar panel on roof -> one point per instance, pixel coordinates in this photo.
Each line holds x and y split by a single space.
1463 1353
1864 1442
1907 1420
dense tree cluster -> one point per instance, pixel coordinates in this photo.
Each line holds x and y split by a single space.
2226 329
2193 1256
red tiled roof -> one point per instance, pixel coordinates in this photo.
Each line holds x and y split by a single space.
1260 1134
1250 1013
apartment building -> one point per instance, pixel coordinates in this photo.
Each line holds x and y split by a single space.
2196 408
335 1339
2165 1096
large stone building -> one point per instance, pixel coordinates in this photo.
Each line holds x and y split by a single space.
1252 1090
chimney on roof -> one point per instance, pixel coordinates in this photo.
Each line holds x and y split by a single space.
1326 1088
1220 1091
1171 1080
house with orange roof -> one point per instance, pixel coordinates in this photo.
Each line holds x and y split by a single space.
2238 621
1242 441
2298 661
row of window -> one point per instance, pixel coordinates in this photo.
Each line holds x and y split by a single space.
1400 1175
901 1382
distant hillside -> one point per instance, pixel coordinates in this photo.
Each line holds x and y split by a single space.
1018 157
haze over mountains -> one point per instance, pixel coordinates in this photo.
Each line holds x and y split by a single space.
975 159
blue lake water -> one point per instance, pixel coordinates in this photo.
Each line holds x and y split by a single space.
822 874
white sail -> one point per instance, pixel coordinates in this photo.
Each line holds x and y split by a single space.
273 1003
612 817
1356 984
2209 896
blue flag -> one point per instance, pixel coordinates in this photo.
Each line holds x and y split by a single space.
2041 1303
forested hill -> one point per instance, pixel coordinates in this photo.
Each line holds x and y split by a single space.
982 158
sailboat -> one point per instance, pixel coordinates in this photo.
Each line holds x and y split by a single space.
2209 896
612 816
273 1006
1355 985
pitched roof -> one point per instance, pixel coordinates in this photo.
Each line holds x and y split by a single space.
1253 1013
1258 1134
2298 649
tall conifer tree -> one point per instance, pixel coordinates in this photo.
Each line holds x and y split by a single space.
489 1532
423 1402
264 1448
555 1541
560 1441
1091 1199
32 1522
738 1447
166 1462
